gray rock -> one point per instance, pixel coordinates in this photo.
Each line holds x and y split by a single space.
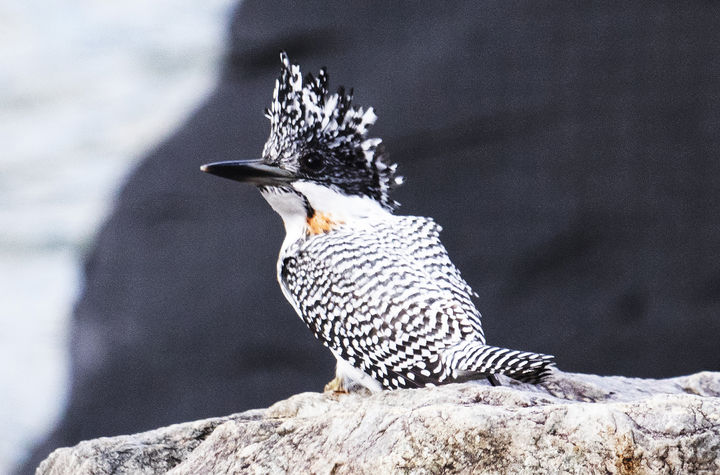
574 423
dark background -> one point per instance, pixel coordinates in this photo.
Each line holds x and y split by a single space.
569 150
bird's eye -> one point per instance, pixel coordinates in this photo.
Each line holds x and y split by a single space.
313 163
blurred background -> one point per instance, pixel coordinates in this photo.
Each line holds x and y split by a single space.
569 151
85 89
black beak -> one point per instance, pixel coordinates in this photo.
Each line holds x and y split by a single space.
256 172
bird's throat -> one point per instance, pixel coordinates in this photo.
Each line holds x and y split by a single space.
320 223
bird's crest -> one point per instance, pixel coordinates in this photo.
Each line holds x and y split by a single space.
306 118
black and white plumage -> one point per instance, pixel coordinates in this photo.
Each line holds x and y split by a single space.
377 289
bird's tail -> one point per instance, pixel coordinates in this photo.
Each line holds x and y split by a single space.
472 359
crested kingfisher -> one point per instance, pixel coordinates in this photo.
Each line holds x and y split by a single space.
376 288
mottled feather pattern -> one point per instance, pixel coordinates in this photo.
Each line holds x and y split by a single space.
366 294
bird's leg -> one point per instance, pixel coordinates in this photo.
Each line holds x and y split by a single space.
336 386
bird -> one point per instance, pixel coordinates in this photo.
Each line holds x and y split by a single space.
378 289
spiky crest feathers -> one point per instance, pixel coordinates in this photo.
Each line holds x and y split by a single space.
305 116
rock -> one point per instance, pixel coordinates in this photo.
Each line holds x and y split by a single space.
574 423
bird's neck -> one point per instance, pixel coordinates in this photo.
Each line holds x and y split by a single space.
316 209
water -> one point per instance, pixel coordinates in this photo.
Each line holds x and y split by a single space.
86 88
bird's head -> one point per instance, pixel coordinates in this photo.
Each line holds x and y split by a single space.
318 149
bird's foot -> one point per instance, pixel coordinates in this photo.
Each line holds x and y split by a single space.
336 386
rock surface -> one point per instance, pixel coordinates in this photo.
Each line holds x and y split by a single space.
575 423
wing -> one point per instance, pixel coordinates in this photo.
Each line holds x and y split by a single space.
367 296
422 241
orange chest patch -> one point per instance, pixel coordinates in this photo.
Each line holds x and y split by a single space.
320 223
